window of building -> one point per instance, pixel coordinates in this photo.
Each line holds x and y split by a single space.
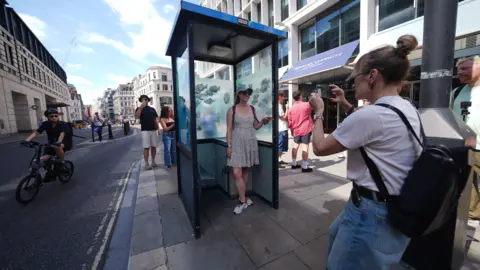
244 68
158 86
259 12
165 87
270 13
249 16
394 12
331 30
164 77
149 76
166 100
25 64
154 75
301 4
284 9
283 53
307 41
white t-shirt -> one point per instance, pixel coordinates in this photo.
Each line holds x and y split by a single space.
386 140
282 125
472 94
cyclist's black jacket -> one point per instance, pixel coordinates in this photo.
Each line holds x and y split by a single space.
54 132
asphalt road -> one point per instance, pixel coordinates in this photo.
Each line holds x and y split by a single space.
64 226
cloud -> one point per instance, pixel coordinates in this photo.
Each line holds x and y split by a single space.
151 32
74 66
84 49
168 8
119 79
78 80
37 26
55 50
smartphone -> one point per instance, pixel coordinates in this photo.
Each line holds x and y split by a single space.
324 90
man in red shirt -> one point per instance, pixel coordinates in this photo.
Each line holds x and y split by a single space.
300 123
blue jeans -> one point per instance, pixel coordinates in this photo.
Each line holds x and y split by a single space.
361 238
169 148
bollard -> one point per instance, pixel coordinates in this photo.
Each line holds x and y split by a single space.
126 128
93 134
110 134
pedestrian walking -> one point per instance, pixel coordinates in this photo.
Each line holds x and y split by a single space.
301 123
149 128
97 126
363 227
167 121
282 128
242 151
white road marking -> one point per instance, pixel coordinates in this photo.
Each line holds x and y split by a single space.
113 218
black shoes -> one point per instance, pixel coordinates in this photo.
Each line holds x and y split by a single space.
307 170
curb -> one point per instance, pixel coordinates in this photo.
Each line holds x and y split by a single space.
147 226
117 251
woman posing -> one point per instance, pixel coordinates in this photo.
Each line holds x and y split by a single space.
242 151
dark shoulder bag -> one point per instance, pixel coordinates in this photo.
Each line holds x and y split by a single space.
432 188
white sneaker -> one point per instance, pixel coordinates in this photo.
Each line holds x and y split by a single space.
249 202
473 223
239 208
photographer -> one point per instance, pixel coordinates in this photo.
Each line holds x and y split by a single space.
361 237
468 70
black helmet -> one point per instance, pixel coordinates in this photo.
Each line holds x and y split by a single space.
50 111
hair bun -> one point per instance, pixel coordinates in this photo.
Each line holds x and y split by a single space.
406 44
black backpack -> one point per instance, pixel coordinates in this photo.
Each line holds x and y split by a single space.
68 139
432 189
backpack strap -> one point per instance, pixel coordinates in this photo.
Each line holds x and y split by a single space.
375 173
457 92
406 122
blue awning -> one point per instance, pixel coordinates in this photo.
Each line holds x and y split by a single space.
331 59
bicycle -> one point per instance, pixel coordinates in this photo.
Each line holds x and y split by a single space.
51 166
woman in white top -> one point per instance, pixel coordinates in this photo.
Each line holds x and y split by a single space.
361 236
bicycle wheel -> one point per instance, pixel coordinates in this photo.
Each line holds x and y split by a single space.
67 172
30 184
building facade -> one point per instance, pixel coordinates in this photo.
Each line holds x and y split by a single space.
124 103
157 84
77 108
31 79
107 108
320 28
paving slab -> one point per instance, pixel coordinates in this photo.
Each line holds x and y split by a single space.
152 259
327 204
263 239
314 254
176 225
287 262
146 204
218 251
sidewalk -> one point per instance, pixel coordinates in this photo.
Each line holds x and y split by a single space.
293 237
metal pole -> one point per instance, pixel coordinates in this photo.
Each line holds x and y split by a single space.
438 52
445 247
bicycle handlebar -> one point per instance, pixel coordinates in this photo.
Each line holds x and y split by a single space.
33 144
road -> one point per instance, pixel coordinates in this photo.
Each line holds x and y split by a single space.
64 226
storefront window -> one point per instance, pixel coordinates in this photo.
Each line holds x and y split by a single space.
307 39
283 53
350 24
394 12
284 7
259 12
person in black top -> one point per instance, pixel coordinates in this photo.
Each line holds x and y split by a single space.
56 134
150 129
167 122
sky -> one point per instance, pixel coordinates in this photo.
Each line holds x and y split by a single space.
101 43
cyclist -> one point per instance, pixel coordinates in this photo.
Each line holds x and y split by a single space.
56 133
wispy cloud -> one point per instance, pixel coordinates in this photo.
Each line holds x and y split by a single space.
37 26
148 40
168 8
78 80
55 50
84 49
74 66
119 79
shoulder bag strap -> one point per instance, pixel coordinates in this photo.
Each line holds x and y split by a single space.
375 173
254 114
405 121
233 117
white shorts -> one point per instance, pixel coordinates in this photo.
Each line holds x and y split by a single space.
149 138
